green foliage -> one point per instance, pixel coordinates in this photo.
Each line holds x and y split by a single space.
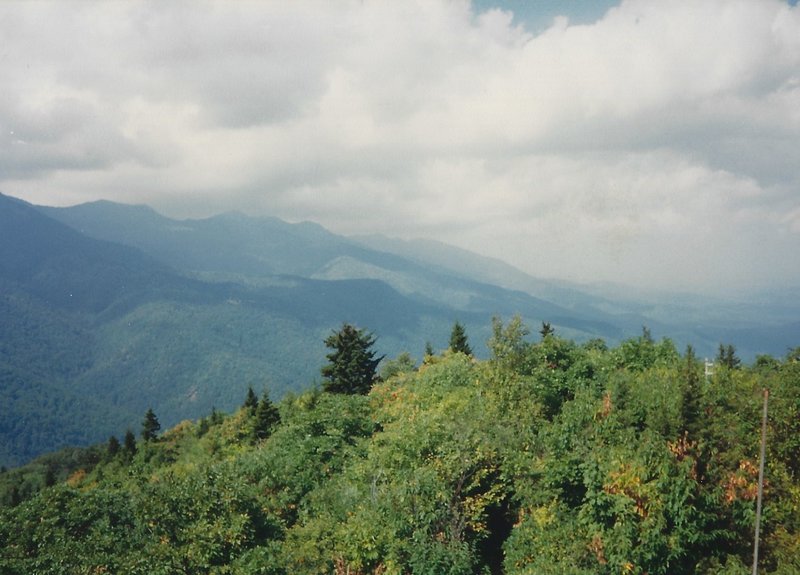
551 457
643 352
150 426
130 444
352 363
459 343
726 356
266 416
403 363
507 344
113 446
251 401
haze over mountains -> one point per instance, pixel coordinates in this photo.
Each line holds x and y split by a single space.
109 309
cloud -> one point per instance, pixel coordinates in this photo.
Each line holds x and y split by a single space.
643 146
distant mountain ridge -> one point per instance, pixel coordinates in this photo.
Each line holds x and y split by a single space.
259 248
253 248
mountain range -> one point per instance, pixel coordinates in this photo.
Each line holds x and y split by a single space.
109 309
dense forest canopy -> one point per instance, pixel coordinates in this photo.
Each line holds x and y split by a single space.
549 457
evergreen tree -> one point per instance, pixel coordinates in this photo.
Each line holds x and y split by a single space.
113 446
15 497
216 417
458 340
352 363
203 427
733 360
726 356
150 425
251 401
429 350
267 417
546 330
129 443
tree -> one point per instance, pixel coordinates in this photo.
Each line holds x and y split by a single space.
352 362
150 425
507 344
458 340
251 401
403 363
726 356
49 476
546 330
129 443
267 417
113 446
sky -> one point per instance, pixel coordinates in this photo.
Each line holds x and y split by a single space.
642 142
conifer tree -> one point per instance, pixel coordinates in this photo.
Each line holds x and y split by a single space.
458 340
267 417
726 356
150 425
546 330
49 476
15 497
129 443
113 446
352 363
216 417
251 401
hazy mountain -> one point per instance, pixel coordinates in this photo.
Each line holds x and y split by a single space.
229 243
766 322
259 249
256 249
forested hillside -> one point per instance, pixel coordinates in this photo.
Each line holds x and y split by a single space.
550 457
93 332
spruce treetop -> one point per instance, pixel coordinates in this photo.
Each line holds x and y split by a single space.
352 362
458 340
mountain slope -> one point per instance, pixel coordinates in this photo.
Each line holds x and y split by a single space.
553 458
94 333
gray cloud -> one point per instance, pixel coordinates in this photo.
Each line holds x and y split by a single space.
641 146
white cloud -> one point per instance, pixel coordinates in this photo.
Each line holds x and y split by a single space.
660 140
